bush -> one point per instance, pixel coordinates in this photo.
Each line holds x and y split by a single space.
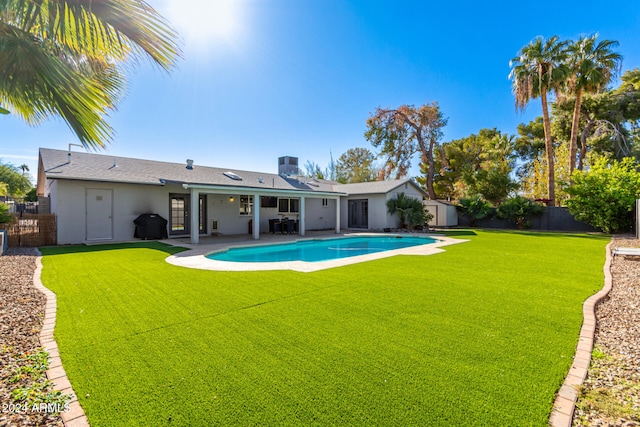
604 196
5 216
520 210
475 208
410 211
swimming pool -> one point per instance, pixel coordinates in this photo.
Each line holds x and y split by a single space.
320 250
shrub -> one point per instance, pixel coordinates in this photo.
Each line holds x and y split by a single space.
410 211
5 216
474 209
605 195
520 210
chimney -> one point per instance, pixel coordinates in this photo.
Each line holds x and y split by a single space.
189 164
287 166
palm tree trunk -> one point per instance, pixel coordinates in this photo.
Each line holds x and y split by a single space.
583 143
573 146
548 142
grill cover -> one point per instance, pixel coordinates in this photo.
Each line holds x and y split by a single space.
150 226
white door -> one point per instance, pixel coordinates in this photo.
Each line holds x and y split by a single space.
99 214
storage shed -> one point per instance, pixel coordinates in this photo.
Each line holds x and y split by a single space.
444 213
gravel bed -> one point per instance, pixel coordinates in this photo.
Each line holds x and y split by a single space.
610 395
21 318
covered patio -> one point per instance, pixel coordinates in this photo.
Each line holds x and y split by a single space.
256 194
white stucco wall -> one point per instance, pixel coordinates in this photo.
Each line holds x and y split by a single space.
320 217
68 202
379 218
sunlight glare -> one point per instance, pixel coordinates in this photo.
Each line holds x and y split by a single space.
206 24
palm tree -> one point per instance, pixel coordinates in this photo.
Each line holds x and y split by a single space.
68 58
24 168
537 70
410 211
593 64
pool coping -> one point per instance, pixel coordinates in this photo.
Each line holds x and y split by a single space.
196 258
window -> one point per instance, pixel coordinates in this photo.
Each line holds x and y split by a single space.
246 205
268 202
325 203
289 205
178 216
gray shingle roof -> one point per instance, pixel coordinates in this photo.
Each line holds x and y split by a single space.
105 168
375 187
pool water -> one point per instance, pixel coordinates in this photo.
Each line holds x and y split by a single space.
320 250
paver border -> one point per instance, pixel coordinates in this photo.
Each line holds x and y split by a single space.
565 403
74 416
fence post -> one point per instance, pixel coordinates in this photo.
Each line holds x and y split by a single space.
637 219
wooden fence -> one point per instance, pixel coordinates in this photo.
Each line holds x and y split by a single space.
31 230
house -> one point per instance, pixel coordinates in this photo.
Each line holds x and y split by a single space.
97 197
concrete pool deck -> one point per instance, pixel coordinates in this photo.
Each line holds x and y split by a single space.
195 257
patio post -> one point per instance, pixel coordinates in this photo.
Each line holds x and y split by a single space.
194 216
301 221
256 216
337 215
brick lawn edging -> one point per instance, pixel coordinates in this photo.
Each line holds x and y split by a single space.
75 416
564 405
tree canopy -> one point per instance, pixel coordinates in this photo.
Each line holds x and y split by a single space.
69 59
477 165
403 132
16 183
356 165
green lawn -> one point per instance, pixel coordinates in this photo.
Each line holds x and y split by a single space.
482 334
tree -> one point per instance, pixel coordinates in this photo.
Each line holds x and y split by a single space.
592 64
5 216
24 168
68 58
609 121
410 211
520 210
539 69
402 133
477 165
312 170
31 196
605 195
356 165
17 183
474 209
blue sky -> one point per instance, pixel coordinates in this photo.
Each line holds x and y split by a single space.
266 78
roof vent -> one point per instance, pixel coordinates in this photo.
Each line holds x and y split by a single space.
261 180
232 175
189 164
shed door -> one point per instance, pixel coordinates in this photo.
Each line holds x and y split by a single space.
99 214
